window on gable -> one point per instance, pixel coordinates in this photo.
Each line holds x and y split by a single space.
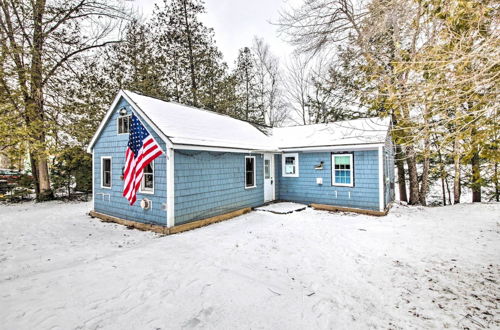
290 165
106 172
343 170
147 184
250 172
124 124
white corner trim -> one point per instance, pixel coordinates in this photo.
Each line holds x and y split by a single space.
170 188
381 178
283 157
110 171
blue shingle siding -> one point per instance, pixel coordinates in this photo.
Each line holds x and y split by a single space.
213 183
112 203
277 175
304 189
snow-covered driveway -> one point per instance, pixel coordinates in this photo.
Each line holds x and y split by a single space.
415 268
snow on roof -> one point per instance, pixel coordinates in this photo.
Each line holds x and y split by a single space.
185 125
188 125
349 132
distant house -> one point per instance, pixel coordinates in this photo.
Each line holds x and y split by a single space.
215 164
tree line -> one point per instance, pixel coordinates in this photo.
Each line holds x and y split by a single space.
431 65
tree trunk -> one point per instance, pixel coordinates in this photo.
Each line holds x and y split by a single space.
476 177
36 103
401 174
34 174
495 181
412 171
424 185
448 189
456 179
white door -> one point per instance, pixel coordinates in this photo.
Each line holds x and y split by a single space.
268 177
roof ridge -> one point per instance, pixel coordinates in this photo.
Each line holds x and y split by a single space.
196 108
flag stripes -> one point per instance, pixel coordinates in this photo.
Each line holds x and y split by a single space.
142 149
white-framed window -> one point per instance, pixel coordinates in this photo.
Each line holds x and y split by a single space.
267 168
342 170
290 165
123 124
106 172
250 181
148 179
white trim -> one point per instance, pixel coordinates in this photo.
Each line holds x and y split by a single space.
381 178
296 164
351 163
170 187
221 149
369 146
93 181
254 172
110 171
272 173
118 124
139 112
141 188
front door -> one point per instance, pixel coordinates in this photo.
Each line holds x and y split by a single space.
268 177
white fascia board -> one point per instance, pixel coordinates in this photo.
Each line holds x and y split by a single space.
370 146
217 149
137 109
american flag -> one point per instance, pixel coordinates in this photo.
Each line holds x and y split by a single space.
142 149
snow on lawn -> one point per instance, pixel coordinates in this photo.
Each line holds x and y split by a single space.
415 268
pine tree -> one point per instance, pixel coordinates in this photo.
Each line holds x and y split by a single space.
246 87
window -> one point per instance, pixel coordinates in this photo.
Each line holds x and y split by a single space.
342 170
267 168
250 172
148 179
106 172
124 124
290 165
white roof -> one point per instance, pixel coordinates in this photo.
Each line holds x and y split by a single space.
187 125
341 133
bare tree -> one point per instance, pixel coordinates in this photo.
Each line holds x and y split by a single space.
40 38
298 85
271 96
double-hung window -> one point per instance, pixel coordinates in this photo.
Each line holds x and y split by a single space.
342 170
148 179
250 172
124 124
106 172
290 165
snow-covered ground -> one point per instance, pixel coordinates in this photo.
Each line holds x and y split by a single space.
415 268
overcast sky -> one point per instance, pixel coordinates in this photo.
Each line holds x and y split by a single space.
236 22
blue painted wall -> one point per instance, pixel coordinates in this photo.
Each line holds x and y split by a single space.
110 201
303 189
213 183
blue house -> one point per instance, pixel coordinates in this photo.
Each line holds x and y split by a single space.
214 164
